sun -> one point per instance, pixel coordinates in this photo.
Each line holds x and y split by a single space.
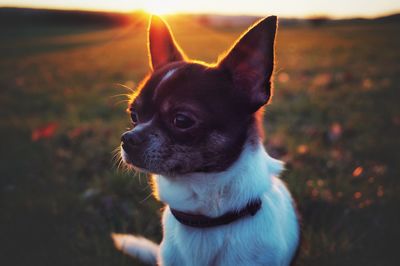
160 7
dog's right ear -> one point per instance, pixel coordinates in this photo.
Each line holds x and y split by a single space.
162 47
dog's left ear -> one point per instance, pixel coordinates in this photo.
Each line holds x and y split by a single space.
162 47
250 62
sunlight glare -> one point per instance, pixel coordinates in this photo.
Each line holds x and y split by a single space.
160 7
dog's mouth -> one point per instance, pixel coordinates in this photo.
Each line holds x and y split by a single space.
132 159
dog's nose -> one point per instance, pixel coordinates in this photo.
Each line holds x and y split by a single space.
132 138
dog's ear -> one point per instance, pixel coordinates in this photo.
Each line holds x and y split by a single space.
162 47
250 62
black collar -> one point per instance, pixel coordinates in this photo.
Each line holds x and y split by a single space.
202 221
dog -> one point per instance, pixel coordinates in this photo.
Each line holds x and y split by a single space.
197 129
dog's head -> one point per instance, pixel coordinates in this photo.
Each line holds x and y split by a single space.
193 117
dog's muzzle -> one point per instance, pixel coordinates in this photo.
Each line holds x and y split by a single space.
131 140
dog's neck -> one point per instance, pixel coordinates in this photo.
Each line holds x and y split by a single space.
214 194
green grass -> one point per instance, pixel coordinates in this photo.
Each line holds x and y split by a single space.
335 109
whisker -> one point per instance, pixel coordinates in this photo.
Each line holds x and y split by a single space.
122 94
122 101
116 155
116 160
146 198
140 178
125 87
120 164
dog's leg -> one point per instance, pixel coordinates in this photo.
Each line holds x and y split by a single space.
138 247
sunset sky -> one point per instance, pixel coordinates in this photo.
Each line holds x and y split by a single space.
289 8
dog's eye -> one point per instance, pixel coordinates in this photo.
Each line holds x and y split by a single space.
134 117
182 121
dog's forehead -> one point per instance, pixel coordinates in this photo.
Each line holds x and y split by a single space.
181 81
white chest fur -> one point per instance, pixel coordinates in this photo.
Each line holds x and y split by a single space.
268 238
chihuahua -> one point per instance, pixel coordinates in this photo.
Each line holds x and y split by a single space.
197 128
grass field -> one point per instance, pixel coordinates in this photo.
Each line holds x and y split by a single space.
335 120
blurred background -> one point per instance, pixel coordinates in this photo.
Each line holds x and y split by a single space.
335 120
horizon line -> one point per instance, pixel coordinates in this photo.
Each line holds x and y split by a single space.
287 16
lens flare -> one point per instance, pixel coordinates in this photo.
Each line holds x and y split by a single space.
159 7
